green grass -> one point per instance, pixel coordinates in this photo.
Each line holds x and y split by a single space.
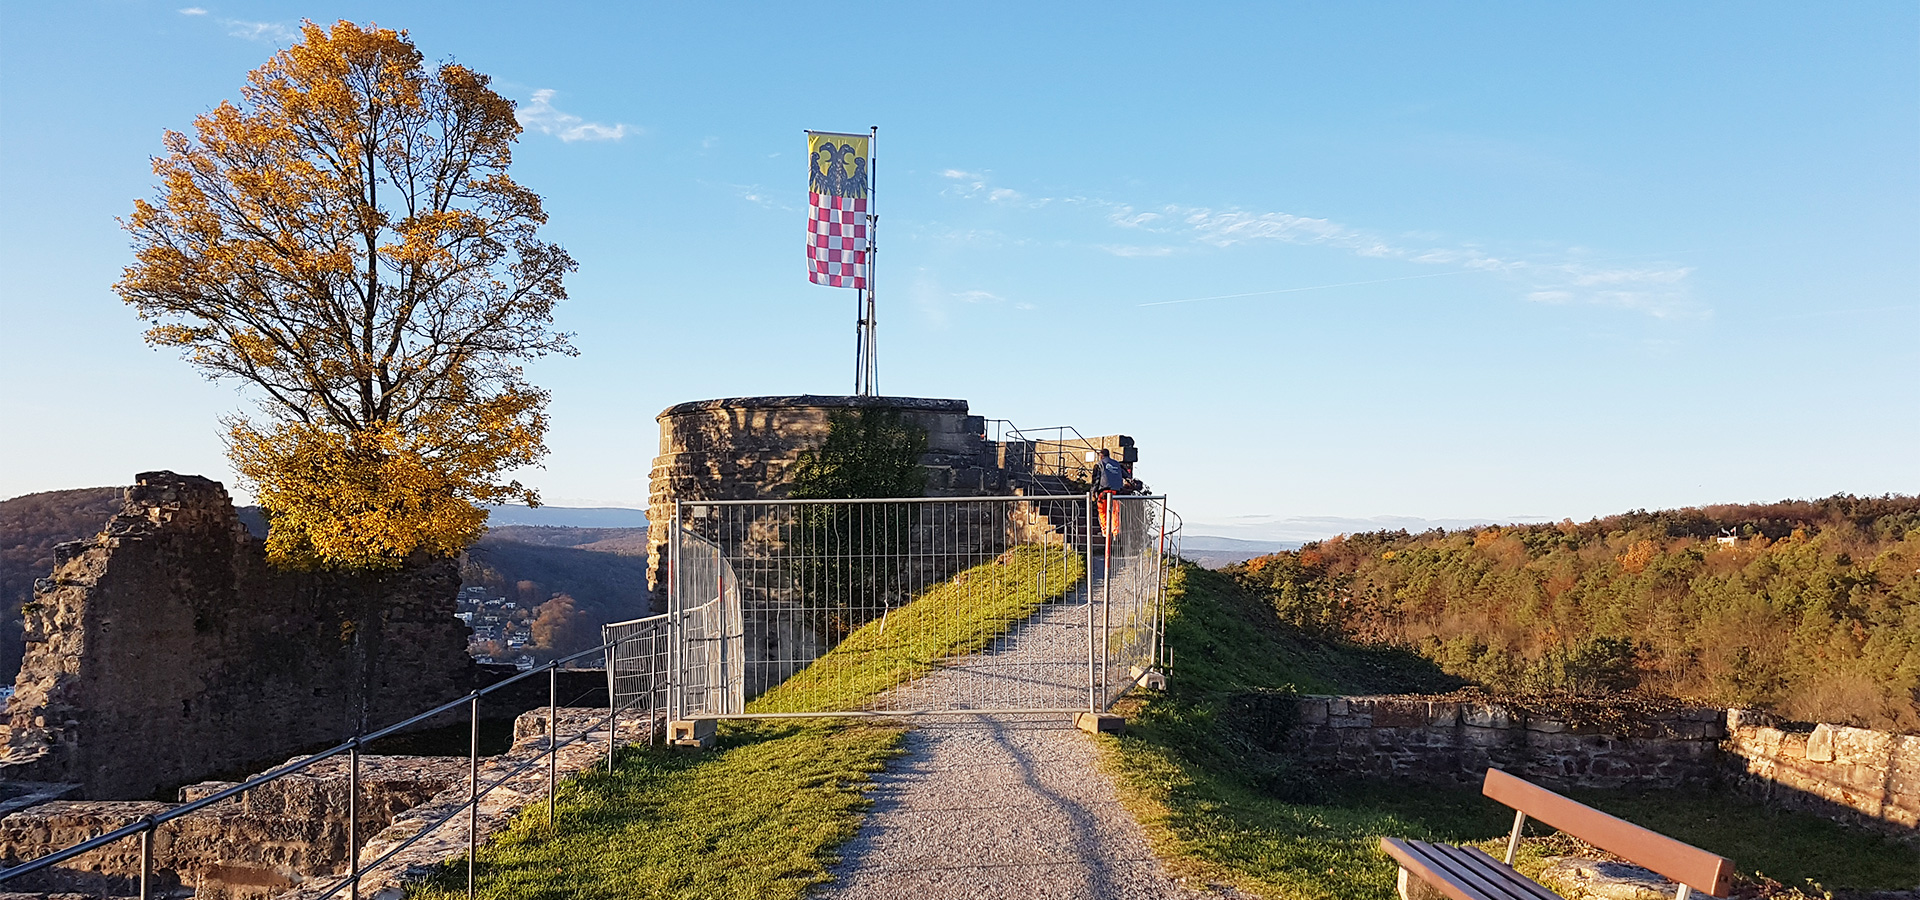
959 616
763 813
1199 767
759 816
1789 847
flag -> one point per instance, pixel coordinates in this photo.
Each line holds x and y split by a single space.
837 181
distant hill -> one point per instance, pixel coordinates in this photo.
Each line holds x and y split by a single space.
1810 608
567 516
571 579
625 541
30 526
1211 552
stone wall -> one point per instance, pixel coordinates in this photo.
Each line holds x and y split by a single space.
288 838
1851 774
165 650
1455 741
266 841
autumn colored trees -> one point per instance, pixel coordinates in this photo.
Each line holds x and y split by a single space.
349 244
1810 608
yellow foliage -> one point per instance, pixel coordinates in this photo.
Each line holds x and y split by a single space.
348 242
1637 556
368 499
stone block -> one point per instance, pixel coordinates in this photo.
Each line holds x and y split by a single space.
1820 744
1395 713
1313 710
1478 736
1859 745
1098 723
1442 714
695 733
1486 715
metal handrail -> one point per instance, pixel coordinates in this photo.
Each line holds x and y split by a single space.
147 825
1004 429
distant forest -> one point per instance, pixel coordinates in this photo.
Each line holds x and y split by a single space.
1808 608
30 526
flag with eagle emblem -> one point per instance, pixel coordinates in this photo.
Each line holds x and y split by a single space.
837 183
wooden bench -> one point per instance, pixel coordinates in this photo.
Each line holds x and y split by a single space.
1467 873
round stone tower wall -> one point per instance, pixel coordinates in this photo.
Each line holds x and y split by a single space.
744 448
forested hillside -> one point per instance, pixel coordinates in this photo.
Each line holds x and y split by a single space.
1810 608
30 526
568 581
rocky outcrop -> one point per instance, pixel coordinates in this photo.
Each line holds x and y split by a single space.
166 650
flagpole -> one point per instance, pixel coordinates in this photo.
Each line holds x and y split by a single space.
873 225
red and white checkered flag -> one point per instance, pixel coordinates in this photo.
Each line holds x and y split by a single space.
838 177
836 240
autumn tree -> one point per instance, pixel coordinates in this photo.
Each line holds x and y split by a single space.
348 243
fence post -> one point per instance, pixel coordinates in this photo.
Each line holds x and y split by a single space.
553 746
473 792
613 653
674 651
146 860
353 817
1109 523
655 674
1093 702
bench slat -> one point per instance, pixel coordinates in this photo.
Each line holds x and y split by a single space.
1519 885
1463 873
1679 861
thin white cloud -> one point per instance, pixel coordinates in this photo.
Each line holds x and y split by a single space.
1564 277
193 11
754 194
258 31
1657 290
1132 251
969 185
540 115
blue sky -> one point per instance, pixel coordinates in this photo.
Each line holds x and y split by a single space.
1322 260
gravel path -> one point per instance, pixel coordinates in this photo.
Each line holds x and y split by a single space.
1003 805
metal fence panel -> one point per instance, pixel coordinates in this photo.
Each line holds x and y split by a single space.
912 606
638 663
704 614
1134 553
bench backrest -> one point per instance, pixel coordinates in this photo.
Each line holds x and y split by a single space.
1684 863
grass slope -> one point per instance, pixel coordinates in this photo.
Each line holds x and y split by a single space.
1199 768
959 616
757 817
763 813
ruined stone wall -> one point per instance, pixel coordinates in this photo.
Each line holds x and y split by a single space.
257 845
165 650
1454 741
1851 774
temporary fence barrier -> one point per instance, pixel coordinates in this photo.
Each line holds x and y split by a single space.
912 606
